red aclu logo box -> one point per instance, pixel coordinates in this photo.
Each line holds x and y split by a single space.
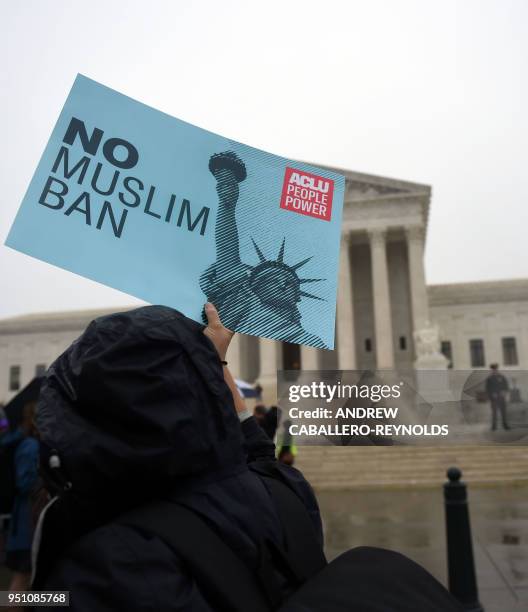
307 194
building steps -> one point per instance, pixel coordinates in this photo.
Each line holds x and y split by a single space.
338 467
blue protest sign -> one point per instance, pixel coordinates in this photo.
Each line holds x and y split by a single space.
173 214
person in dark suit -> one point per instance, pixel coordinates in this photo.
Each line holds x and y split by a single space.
497 388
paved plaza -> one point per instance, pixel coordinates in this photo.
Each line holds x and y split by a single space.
411 521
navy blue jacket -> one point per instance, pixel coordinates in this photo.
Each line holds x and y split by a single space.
26 477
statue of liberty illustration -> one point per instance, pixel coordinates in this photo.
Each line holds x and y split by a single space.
259 299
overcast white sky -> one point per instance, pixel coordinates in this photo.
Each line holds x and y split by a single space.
433 92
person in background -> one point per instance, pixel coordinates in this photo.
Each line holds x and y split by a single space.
496 389
286 456
267 419
258 391
271 421
20 533
259 412
285 443
4 424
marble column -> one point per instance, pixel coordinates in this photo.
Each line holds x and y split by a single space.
309 358
381 295
346 344
269 362
415 252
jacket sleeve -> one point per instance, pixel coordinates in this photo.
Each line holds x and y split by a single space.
117 568
26 465
303 488
257 444
261 449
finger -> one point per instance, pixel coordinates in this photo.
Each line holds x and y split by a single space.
213 318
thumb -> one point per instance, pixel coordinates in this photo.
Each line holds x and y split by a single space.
213 318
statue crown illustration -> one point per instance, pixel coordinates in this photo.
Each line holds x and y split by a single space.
285 274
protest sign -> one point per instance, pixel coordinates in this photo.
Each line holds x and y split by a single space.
173 214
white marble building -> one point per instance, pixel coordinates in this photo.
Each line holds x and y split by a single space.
482 323
383 299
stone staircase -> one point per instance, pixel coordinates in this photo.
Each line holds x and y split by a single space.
351 467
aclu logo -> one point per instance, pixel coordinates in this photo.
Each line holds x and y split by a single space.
307 194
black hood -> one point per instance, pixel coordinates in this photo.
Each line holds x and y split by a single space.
139 402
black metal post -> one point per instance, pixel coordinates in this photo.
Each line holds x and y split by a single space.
460 562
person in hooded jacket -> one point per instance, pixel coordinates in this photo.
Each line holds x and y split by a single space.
143 403
143 406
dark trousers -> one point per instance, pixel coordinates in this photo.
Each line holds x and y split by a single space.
498 404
